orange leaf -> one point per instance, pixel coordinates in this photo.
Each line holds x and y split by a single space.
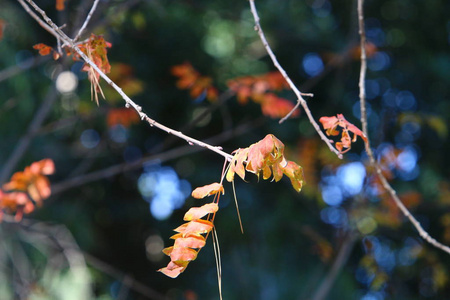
196 227
173 269
295 174
183 254
330 124
268 150
237 164
60 5
43 49
196 213
276 107
196 242
31 183
207 190
122 116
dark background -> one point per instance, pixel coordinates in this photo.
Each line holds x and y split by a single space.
337 231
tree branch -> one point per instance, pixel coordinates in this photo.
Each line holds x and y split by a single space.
161 157
344 252
128 102
300 100
25 140
88 18
362 95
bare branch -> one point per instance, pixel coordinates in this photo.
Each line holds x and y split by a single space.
161 157
86 22
362 95
36 17
25 140
344 252
300 100
128 102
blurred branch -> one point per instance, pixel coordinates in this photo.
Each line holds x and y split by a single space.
300 100
161 157
24 65
344 252
362 95
86 21
68 42
25 140
59 236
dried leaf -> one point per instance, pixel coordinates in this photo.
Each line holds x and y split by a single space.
43 49
196 213
330 124
195 242
208 190
295 174
180 254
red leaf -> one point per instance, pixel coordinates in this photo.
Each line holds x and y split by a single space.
43 49
331 123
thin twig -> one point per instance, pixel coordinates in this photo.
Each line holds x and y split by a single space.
344 252
362 95
59 236
25 140
86 22
161 157
300 100
128 102
36 17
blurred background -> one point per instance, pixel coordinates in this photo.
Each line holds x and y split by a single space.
121 187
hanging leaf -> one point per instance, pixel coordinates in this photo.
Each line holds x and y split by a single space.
189 238
330 124
208 190
196 213
265 157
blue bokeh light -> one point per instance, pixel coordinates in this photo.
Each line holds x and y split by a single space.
118 133
132 154
165 192
332 195
312 64
351 176
90 138
379 61
321 8
335 216
405 100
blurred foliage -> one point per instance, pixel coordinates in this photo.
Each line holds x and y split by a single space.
123 219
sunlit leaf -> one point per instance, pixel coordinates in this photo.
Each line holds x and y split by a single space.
183 254
330 124
195 242
207 190
199 212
